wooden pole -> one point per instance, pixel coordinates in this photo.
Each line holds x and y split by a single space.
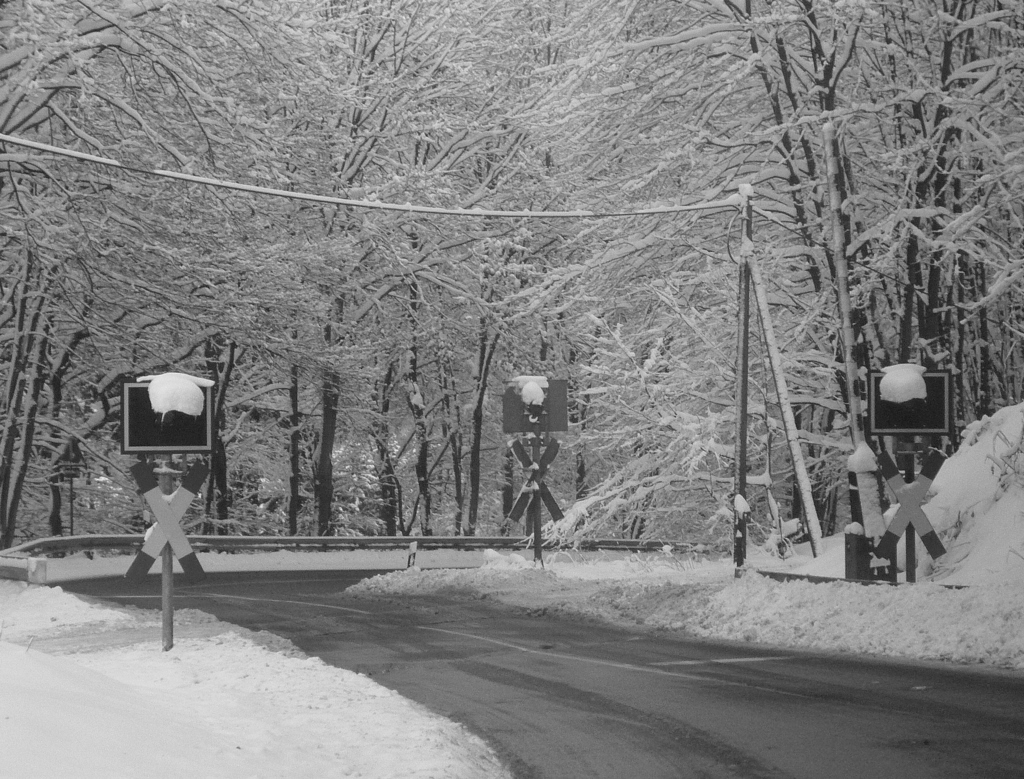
842 267
843 287
742 379
788 420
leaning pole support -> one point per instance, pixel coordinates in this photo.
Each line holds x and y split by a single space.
749 270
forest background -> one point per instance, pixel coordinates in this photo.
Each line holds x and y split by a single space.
360 354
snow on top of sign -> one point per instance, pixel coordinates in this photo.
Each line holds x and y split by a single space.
197 380
540 381
177 392
903 382
532 394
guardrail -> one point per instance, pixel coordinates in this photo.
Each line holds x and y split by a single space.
27 562
63 545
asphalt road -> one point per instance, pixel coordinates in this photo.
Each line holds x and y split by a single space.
565 699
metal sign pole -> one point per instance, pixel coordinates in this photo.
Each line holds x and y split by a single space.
535 508
167 596
165 478
905 456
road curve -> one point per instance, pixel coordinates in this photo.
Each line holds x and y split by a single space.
565 699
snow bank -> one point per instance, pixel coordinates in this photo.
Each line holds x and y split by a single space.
973 625
232 704
978 503
980 624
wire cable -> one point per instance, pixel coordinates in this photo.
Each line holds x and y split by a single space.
730 202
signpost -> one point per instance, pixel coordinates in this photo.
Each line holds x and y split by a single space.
906 400
70 467
167 414
535 406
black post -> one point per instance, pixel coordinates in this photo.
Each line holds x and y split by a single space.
71 502
905 461
739 548
534 511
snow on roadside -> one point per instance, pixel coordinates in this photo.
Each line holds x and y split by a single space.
980 624
235 703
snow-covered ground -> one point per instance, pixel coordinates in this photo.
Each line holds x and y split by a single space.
87 690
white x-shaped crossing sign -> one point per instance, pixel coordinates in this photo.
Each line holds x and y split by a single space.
910 497
168 514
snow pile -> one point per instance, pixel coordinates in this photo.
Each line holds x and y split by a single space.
34 610
978 503
234 703
492 578
970 625
493 560
862 460
565 572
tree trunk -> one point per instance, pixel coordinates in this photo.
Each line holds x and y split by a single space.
452 430
485 354
508 497
25 381
220 362
387 479
294 442
417 407
323 473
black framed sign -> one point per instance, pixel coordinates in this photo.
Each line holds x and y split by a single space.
932 415
144 431
555 414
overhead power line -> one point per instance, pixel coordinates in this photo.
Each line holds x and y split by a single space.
733 201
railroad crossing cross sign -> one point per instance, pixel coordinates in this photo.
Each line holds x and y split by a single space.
167 529
535 485
910 497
